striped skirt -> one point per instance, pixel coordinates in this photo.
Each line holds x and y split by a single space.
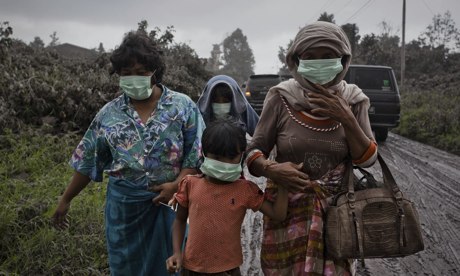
295 246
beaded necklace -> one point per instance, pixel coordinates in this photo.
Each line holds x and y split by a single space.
306 125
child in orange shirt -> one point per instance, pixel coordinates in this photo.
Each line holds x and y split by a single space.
215 203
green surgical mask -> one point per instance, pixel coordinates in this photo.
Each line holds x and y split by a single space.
221 109
320 71
220 170
136 87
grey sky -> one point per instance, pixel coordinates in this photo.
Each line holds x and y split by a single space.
201 23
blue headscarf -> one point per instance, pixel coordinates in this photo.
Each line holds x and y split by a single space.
240 109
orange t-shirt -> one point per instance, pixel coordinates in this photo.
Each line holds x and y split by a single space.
216 213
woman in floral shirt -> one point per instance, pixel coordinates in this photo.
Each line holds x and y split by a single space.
146 140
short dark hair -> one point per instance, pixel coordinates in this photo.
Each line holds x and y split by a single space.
221 90
138 47
224 138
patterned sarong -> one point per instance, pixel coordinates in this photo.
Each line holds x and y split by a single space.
296 245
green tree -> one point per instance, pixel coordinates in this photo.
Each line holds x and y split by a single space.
237 56
326 17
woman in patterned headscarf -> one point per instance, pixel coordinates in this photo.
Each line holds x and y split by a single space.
316 121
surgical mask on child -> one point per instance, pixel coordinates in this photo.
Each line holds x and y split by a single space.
221 109
136 87
220 170
320 71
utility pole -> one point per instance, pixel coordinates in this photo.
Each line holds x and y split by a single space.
403 43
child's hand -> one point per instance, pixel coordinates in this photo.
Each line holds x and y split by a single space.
174 263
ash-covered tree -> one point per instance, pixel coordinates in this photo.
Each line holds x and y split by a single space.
352 32
37 43
164 38
436 49
214 62
284 70
326 17
101 49
5 32
185 71
54 40
238 59
441 32
382 49
5 41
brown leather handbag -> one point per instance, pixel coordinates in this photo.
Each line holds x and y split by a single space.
372 223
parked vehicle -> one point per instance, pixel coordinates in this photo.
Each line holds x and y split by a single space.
379 84
256 88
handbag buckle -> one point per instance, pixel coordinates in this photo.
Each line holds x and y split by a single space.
399 197
398 194
351 196
351 199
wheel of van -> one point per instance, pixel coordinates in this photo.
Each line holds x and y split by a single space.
381 134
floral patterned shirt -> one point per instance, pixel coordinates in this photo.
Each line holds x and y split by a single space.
146 154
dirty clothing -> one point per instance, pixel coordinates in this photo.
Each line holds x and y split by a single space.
136 156
216 212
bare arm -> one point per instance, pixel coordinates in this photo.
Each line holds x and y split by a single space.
356 138
174 263
278 209
288 174
77 184
167 190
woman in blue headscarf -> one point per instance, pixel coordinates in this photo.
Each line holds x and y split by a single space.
222 98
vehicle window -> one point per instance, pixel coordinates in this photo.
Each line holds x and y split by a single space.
263 81
366 78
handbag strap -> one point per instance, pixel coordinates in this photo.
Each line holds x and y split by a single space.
388 182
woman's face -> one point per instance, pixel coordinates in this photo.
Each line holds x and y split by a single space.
136 69
318 53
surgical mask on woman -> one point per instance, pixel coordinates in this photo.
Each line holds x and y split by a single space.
221 110
136 87
221 170
320 71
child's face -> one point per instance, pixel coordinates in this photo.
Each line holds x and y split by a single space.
234 160
219 93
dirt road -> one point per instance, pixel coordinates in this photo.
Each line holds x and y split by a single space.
430 178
